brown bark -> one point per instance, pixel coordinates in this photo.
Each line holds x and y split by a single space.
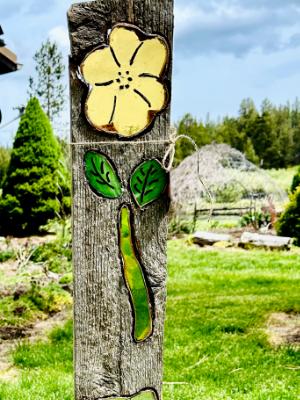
107 361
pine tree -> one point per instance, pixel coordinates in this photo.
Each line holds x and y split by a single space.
35 189
48 85
4 163
197 131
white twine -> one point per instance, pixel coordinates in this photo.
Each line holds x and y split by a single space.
136 142
168 165
168 159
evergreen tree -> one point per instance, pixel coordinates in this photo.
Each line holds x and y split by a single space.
197 131
265 139
295 121
48 85
4 163
269 137
247 117
285 136
35 189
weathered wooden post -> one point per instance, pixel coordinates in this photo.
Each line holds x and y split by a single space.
120 74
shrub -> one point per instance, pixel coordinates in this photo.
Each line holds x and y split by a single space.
296 181
228 193
257 219
178 227
35 189
7 255
289 221
55 255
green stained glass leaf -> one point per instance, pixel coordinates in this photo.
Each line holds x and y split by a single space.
102 175
135 279
148 182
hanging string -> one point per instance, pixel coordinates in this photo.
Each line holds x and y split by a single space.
169 158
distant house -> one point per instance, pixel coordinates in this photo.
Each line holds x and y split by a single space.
8 60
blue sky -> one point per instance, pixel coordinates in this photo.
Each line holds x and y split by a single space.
225 50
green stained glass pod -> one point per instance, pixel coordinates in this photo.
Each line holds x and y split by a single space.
102 175
144 395
135 279
148 182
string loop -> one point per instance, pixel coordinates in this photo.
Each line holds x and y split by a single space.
168 162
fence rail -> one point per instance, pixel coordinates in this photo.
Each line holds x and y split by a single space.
224 211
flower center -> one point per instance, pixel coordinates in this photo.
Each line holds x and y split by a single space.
124 80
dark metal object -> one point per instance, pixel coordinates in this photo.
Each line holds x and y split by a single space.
1 40
8 60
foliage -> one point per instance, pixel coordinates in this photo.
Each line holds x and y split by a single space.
178 227
283 177
48 84
66 279
289 221
218 348
296 181
46 299
4 163
257 219
55 255
228 193
35 189
33 302
269 137
7 255
197 131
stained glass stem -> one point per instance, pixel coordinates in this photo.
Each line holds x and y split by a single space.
135 279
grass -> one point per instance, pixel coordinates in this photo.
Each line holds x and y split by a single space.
218 305
219 347
46 369
283 177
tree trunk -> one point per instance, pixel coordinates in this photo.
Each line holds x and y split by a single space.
108 362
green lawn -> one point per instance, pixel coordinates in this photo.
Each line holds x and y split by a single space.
283 177
218 304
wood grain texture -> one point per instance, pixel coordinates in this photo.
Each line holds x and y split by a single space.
107 361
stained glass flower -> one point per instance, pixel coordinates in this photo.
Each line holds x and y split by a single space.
126 81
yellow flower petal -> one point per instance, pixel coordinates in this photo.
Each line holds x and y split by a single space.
152 57
125 90
100 107
132 114
124 42
154 91
99 67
